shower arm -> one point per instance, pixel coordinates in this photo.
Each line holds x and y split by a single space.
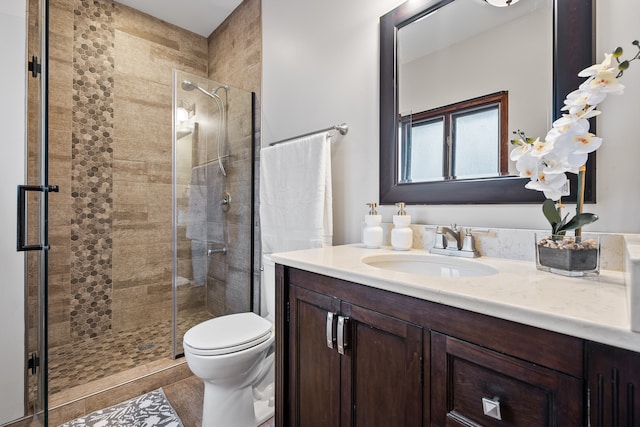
222 132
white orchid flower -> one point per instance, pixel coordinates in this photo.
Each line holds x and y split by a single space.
528 167
589 112
566 146
575 159
607 64
604 81
578 100
565 153
555 167
586 143
572 123
551 185
541 148
519 150
553 134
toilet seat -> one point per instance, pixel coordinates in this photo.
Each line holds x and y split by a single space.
227 334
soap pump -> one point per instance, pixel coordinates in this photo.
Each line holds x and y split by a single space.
372 233
401 235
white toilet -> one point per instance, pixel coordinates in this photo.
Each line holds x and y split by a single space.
234 356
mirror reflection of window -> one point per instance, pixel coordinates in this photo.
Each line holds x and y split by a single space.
464 140
424 152
460 51
475 142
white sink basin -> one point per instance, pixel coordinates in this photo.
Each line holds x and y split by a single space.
429 265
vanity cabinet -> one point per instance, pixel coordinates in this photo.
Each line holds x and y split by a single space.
353 355
349 365
614 386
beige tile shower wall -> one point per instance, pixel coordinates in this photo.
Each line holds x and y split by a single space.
235 58
60 204
235 48
145 50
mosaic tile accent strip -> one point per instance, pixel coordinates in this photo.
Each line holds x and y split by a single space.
91 168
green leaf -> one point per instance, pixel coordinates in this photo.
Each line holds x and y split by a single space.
579 221
551 212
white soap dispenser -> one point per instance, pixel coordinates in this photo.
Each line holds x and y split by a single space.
401 235
372 233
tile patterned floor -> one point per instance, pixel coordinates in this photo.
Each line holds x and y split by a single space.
84 361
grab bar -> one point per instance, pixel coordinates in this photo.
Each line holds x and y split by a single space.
216 251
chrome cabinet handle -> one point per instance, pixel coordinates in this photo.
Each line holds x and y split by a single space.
331 321
342 335
491 408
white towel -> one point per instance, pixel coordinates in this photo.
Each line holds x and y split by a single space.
295 195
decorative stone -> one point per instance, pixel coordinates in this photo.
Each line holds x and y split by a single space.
568 254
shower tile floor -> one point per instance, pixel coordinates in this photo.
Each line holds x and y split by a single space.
116 355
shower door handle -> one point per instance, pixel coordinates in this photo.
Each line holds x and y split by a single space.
22 213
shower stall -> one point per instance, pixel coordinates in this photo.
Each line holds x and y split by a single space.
213 203
146 175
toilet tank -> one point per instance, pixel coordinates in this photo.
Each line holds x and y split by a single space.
268 289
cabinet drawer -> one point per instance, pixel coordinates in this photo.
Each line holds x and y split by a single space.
515 392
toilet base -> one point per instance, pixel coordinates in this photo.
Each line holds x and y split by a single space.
264 409
238 408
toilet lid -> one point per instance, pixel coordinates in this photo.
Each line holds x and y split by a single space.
227 334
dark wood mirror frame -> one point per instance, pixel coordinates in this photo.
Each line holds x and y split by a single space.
573 50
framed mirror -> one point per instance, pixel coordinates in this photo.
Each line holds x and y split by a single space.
569 44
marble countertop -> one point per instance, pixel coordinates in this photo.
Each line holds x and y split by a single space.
593 308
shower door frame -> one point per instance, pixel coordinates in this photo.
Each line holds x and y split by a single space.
32 221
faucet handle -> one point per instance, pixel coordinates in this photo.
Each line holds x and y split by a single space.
469 244
439 239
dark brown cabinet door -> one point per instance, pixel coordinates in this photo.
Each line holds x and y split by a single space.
474 386
362 370
613 375
314 368
381 370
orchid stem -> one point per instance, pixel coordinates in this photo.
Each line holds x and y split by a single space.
580 195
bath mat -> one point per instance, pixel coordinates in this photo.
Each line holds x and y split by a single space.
151 409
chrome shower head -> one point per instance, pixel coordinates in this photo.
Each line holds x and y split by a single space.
187 85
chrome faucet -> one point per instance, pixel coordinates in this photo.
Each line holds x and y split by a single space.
452 236
452 241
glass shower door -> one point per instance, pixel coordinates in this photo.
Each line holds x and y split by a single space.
213 206
12 121
32 235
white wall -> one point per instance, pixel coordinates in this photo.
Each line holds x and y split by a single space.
320 67
12 123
